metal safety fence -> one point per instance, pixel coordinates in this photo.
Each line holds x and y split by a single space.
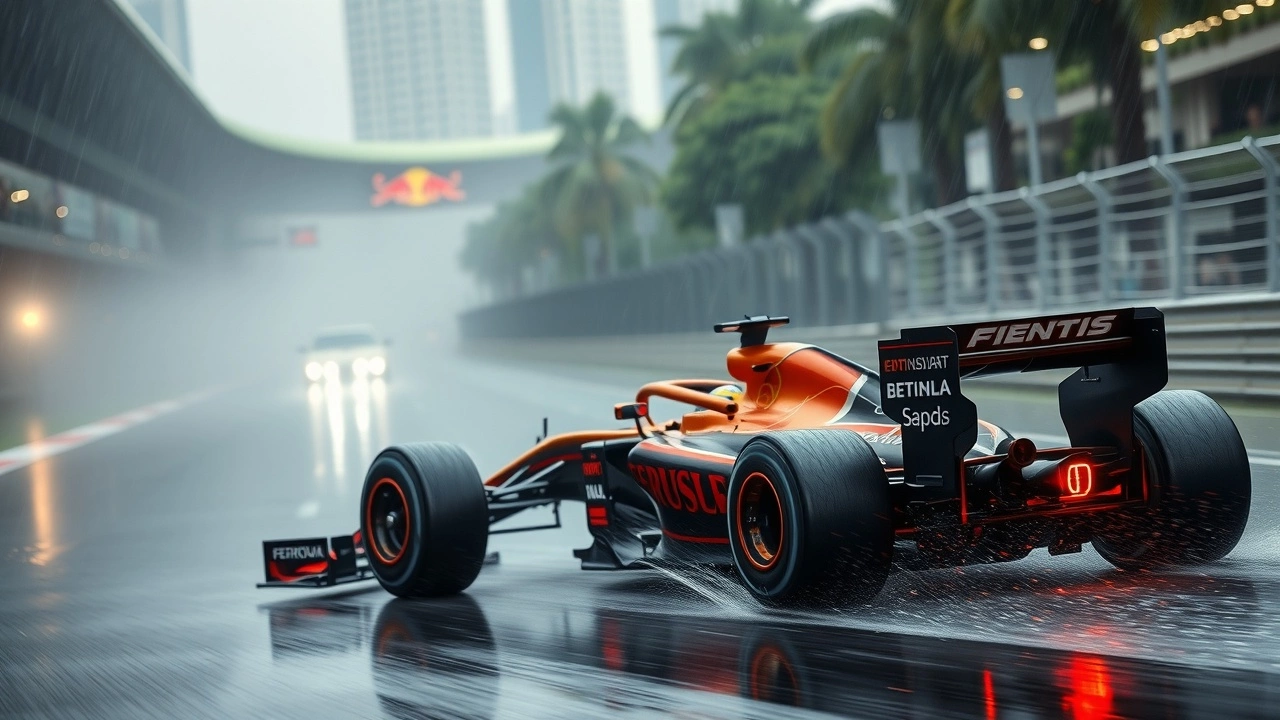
1197 223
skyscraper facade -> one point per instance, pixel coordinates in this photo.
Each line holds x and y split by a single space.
529 60
419 69
586 43
168 20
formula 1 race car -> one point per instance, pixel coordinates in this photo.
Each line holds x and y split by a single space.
813 475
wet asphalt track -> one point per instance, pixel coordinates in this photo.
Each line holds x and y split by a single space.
127 570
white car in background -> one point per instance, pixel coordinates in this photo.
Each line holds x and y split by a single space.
349 351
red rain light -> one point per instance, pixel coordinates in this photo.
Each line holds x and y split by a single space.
1088 695
1078 480
989 695
597 515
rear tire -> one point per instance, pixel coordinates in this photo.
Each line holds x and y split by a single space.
810 518
424 519
1200 485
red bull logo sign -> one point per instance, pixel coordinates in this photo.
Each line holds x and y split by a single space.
417 187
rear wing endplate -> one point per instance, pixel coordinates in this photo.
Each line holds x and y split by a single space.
1120 355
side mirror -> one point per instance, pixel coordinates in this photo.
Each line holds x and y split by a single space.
302 348
386 341
630 411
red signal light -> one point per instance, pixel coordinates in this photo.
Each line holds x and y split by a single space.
1077 480
597 515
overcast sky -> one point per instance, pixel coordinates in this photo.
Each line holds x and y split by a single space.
281 65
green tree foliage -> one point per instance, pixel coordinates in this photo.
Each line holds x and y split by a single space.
713 54
898 64
596 185
757 145
1090 132
984 30
516 236
1108 33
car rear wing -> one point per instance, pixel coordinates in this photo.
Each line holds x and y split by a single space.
1119 354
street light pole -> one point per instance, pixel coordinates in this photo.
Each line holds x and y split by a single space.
1029 98
1033 152
1163 100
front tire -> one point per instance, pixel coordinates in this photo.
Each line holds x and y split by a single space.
1198 473
810 518
425 655
424 519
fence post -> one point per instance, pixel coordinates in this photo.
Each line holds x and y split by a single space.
1177 197
822 313
1043 278
948 231
1270 171
737 299
992 223
691 284
843 267
877 243
1103 200
708 287
908 277
751 277
766 278
790 245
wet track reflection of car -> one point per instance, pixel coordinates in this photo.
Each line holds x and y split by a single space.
446 659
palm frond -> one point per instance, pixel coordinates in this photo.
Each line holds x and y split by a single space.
627 132
682 102
598 115
852 107
839 32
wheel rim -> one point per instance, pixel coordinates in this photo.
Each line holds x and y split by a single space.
761 530
388 521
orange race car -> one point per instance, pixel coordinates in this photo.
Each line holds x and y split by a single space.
813 475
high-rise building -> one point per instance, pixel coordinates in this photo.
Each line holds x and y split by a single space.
529 60
419 69
586 51
689 13
168 20
567 50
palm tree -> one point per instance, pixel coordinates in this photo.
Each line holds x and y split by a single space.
596 186
713 54
1107 33
986 30
896 64
516 236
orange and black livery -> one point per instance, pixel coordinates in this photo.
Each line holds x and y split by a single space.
815 476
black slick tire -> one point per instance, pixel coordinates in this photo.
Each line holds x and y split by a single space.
1200 485
424 519
810 519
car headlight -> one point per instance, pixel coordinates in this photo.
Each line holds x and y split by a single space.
314 371
360 366
377 365
331 370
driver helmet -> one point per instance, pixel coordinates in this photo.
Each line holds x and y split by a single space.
730 391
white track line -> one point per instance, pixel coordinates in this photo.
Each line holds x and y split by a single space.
24 455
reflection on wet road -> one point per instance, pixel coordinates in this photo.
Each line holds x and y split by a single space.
128 567
452 659
331 405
